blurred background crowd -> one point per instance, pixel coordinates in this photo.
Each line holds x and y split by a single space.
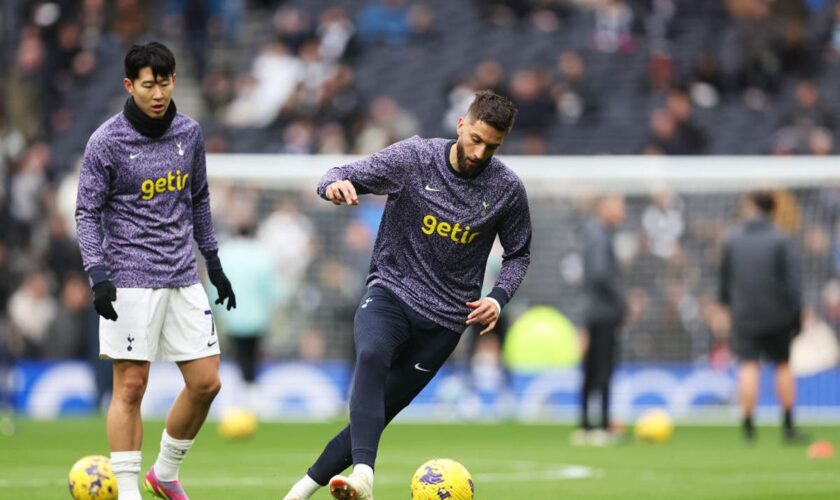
652 77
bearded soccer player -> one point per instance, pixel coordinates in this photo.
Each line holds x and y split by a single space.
142 199
447 202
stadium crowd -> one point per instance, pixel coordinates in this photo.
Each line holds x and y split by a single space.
672 77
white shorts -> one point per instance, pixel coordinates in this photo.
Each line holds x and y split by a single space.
167 324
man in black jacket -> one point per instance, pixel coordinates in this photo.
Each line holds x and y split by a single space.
603 316
760 282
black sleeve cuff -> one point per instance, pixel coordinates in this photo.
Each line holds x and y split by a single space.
212 260
98 274
500 295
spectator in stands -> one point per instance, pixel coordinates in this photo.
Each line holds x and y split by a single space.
613 30
808 110
798 53
197 22
489 74
262 94
28 180
504 12
831 34
388 122
530 94
62 256
336 34
385 21
68 333
661 73
573 95
706 83
758 38
664 135
293 27
691 135
332 139
24 87
820 142
341 100
760 282
458 99
298 138
32 309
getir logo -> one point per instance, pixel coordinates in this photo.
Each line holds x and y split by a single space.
446 230
172 182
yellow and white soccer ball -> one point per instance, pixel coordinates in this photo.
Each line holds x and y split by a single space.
91 478
442 478
237 423
654 426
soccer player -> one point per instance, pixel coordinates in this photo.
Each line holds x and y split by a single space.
604 315
142 198
760 281
447 201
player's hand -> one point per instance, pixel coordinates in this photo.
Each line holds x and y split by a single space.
484 312
104 294
223 287
342 192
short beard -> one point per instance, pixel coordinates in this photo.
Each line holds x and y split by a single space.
462 160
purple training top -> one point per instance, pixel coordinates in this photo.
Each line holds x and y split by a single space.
150 198
439 226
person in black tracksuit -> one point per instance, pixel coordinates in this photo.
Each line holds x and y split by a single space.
760 282
604 312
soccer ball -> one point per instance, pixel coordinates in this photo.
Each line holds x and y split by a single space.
237 424
654 426
442 478
91 478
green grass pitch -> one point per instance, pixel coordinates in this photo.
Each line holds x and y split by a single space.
507 461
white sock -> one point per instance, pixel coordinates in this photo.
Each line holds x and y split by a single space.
365 471
126 468
172 452
306 487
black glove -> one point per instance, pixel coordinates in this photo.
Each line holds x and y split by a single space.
222 284
104 293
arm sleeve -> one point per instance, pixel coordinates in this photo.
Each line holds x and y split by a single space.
383 172
515 237
202 221
91 197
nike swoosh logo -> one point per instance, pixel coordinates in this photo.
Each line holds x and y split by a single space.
429 188
211 344
134 155
418 367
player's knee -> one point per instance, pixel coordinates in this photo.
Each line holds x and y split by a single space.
207 388
369 356
130 392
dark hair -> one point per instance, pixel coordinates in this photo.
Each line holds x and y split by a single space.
154 55
764 200
493 109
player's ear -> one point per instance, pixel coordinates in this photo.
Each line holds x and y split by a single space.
128 86
460 125
173 79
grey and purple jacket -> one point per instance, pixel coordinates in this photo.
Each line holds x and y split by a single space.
142 201
439 226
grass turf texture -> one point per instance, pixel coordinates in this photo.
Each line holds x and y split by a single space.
507 461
